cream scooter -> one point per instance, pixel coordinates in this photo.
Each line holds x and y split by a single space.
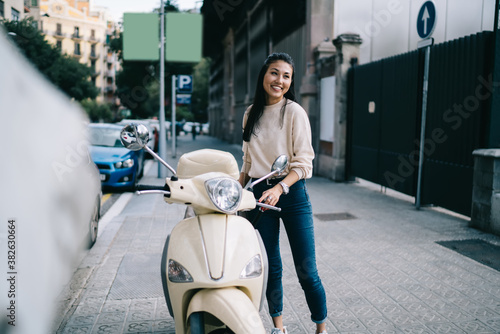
214 265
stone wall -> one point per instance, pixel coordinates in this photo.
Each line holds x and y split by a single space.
486 191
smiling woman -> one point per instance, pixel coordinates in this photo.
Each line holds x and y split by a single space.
274 125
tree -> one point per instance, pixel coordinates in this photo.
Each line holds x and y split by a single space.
97 111
199 98
63 71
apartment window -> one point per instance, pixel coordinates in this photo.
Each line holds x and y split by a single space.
34 3
92 65
15 14
1 9
77 32
58 29
92 50
92 34
59 45
77 48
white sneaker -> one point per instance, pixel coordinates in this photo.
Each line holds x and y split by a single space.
323 332
278 331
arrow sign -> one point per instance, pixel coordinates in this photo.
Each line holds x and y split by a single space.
426 20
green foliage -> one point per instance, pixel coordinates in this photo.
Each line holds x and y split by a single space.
199 98
63 71
97 112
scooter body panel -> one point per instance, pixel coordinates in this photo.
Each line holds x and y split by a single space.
229 305
214 249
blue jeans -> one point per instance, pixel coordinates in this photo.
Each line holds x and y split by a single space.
296 214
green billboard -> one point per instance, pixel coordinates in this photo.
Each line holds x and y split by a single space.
141 36
183 37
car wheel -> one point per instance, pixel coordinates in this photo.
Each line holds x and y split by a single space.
94 224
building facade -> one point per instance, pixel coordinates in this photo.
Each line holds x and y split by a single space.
13 10
82 32
238 35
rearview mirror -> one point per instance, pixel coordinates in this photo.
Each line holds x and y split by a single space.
278 167
280 164
134 136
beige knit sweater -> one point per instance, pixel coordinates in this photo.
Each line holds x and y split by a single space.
293 139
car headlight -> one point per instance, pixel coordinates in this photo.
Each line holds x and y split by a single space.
177 273
225 193
124 164
253 268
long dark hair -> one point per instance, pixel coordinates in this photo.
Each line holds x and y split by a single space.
259 100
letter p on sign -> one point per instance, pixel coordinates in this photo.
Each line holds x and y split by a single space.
185 84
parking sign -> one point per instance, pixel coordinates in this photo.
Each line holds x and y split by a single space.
184 84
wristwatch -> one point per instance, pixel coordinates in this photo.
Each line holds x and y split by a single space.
285 187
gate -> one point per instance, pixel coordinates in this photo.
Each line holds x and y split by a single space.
385 112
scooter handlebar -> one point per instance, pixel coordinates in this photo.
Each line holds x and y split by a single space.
267 206
142 187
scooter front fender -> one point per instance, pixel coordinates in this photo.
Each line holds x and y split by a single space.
231 306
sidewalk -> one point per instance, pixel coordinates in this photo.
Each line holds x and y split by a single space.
378 258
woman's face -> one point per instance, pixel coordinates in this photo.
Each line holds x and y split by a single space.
277 81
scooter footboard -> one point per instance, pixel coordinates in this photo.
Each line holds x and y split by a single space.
231 306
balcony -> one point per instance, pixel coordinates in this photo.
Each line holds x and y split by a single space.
94 55
77 37
110 73
77 54
56 34
94 40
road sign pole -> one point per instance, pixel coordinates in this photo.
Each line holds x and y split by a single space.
425 88
162 145
174 125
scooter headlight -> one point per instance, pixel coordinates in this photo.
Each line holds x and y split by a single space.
253 268
225 193
177 273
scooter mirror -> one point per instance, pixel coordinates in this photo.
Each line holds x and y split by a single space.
280 164
134 136
278 167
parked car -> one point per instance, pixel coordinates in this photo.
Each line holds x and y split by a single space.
119 167
205 127
93 226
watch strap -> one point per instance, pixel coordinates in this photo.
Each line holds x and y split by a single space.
285 187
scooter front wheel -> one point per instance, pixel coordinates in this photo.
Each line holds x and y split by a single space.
197 325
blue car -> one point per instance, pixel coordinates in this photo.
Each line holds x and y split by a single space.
119 167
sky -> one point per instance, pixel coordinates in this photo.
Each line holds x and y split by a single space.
117 7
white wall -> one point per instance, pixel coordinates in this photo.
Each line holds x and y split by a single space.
17 5
389 27
327 108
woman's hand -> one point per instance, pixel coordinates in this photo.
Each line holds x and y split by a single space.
271 196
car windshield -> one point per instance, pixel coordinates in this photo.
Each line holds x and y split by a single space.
109 137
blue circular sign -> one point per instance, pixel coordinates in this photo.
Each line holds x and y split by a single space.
426 19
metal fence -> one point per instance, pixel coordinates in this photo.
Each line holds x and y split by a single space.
385 113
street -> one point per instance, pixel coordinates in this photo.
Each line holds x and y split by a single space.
383 263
